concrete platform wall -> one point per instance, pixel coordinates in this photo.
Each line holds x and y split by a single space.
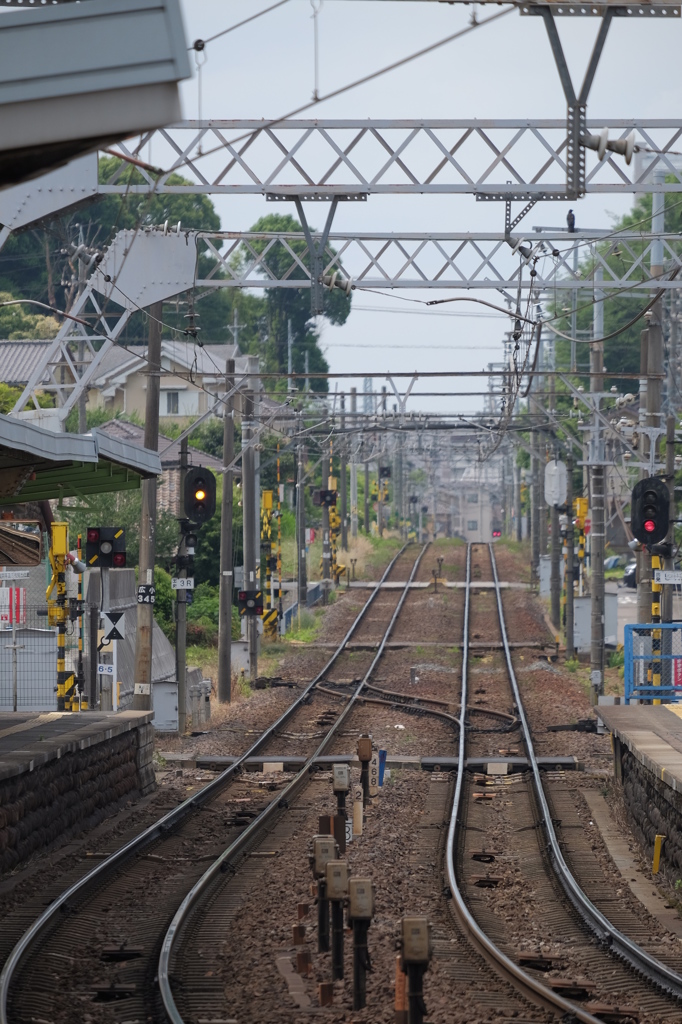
72 792
654 809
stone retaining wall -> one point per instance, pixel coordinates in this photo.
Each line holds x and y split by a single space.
74 792
654 809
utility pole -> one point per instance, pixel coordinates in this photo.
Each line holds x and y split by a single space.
542 455
354 470
574 312
142 698
555 551
290 353
398 486
83 397
597 458
251 580
517 503
570 620
300 522
669 563
181 596
342 475
534 501
326 541
367 497
652 364
226 566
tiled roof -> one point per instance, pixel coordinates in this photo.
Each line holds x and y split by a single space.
210 359
18 360
134 434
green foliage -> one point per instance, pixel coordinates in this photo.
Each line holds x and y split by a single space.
207 557
617 659
123 509
621 353
208 437
93 418
308 630
572 664
18 323
203 617
35 262
283 305
8 396
164 611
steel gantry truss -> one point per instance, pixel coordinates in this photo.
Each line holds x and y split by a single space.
153 264
492 159
443 260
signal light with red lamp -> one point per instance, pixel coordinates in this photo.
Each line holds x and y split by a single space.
250 602
105 547
650 510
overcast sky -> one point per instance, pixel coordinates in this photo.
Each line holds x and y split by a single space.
505 70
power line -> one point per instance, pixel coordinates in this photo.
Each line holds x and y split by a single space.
358 81
200 44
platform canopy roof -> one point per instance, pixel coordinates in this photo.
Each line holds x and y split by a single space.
36 464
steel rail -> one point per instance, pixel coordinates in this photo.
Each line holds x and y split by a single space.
656 972
532 989
170 820
280 802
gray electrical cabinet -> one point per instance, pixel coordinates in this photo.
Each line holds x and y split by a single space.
582 618
165 706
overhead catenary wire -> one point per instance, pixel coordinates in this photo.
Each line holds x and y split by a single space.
471 27
200 44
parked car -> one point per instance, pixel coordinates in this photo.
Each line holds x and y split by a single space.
630 575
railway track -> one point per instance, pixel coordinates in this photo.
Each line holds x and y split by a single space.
172 893
516 846
146 879
183 1003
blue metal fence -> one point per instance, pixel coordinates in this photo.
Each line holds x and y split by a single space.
291 614
640 660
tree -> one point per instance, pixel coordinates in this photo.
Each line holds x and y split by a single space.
18 322
38 264
283 305
621 353
123 508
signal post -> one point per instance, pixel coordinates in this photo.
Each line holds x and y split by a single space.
199 502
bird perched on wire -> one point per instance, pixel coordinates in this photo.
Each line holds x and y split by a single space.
570 220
